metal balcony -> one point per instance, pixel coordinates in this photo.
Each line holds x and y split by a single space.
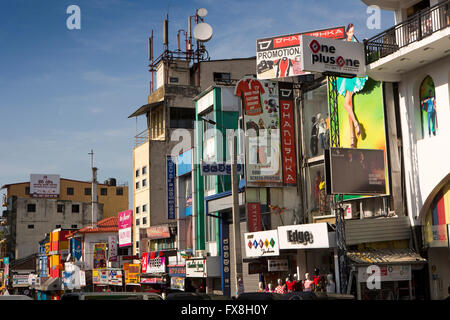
414 29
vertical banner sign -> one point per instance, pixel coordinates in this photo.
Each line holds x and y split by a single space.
112 246
125 221
254 217
288 133
100 256
76 249
260 103
170 188
144 262
225 258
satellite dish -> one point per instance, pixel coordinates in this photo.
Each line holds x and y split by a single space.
203 32
202 12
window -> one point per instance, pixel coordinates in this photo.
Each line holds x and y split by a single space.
137 210
144 170
58 226
157 122
211 229
182 118
74 226
31 207
173 80
60 207
137 173
75 208
70 191
144 220
222 76
144 182
87 191
27 190
104 191
144 208
137 244
119 192
137 222
31 226
427 109
137 185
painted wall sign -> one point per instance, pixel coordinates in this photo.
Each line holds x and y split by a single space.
170 175
264 243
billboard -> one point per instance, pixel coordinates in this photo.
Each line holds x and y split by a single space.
332 56
280 56
260 104
356 171
100 256
44 185
360 111
125 222
112 248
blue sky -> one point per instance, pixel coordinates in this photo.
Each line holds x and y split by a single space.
64 92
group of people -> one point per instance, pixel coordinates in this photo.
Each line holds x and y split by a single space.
319 283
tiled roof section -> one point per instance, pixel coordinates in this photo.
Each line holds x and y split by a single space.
106 225
385 256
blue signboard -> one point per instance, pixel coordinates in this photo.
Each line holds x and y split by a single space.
76 249
184 163
170 188
225 264
219 168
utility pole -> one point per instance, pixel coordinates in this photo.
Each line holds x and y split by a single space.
94 192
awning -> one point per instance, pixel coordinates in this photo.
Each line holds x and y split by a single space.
51 284
385 257
145 108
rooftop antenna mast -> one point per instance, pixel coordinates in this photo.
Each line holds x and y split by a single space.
94 191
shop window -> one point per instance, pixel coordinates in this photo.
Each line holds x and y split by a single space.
318 203
316 127
104 191
427 110
31 207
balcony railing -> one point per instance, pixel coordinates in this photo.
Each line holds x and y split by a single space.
415 28
141 138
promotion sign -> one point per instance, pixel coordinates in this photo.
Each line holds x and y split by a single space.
112 248
125 222
170 175
260 103
144 262
100 256
157 265
262 244
280 56
332 56
115 277
44 185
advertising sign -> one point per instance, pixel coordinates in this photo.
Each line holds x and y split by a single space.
44 185
361 118
260 103
287 128
304 236
332 56
157 232
177 270
115 277
262 244
112 248
76 249
125 222
225 258
387 273
100 256
196 268
254 217
132 272
20 280
277 265
219 168
177 283
170 175
365 167
157 265
144 262
280 56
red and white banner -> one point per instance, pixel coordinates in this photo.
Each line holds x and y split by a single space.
254 217
144 262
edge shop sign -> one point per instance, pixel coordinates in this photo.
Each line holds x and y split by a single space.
305 236
263 243
332 56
